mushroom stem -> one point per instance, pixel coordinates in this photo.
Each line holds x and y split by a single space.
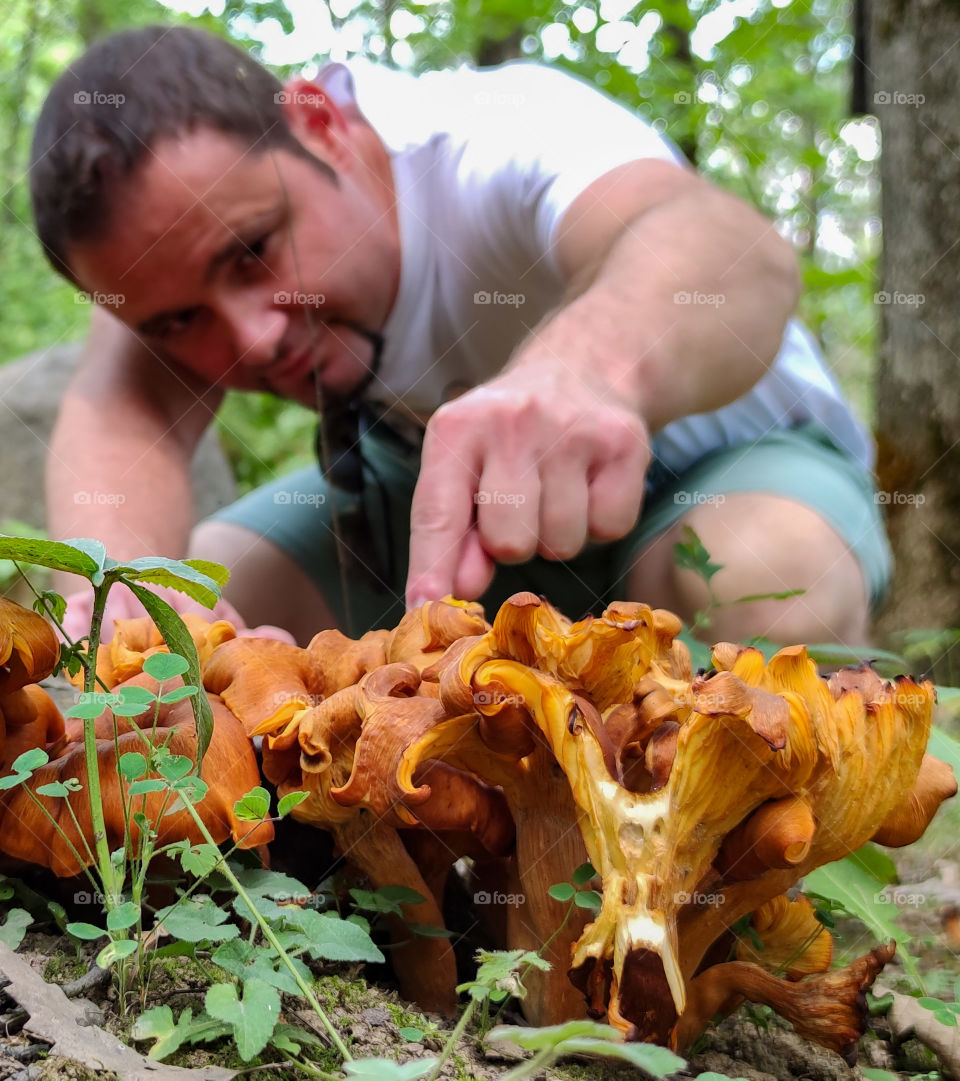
777 834
829 1009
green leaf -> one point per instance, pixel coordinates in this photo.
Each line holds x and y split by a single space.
197 921
876 863
15 927
289 801
55 789
116 951
537 1039
157 1024
30 760
90 705
174 767
654 1060
429 930
332 939
561 891
150 784
179 641
52 604
847 884
582 875
244 960
164 666
252 1018
691 555
173 574
58 555
178 694
588 899
86 931
254 806
872 1074
401 895
384 1069
123 916
132 701
944 747
710 1075
133 765
200 860
410 1034
217 571
782 595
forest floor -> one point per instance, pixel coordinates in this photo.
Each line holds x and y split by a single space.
753 1043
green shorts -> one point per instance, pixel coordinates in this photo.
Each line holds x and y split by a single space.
296 512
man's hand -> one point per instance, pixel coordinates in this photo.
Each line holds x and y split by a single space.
539 460
122 604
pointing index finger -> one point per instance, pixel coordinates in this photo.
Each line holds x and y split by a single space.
442 512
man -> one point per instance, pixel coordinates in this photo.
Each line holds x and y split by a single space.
504 260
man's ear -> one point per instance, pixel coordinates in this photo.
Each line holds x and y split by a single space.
316 120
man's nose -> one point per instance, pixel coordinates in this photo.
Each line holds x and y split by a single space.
256 329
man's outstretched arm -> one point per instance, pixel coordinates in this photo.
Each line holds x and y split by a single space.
119 462
677 298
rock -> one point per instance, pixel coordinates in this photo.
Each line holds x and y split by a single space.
376 1016
30 390
715 1062
773 1049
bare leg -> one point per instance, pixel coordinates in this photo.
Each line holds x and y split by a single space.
266 585
766 544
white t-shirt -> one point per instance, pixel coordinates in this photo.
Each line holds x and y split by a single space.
485 164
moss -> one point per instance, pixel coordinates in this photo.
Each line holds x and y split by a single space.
61 968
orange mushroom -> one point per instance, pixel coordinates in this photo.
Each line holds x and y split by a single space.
29 719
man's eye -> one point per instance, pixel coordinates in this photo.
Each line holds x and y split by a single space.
173 325
253 254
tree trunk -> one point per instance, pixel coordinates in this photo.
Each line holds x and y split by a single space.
915 64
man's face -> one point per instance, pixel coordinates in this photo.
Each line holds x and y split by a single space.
248 268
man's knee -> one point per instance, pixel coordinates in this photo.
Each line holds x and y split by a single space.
764 544
266 584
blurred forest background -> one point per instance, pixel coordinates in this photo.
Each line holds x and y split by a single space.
757 93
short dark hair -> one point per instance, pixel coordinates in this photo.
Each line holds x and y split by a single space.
111 106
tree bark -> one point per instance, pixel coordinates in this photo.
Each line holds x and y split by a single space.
914 51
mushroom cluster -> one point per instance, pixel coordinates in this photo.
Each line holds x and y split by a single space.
535 744
30 719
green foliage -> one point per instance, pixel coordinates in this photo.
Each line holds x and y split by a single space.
582 1038
14 928
852 885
